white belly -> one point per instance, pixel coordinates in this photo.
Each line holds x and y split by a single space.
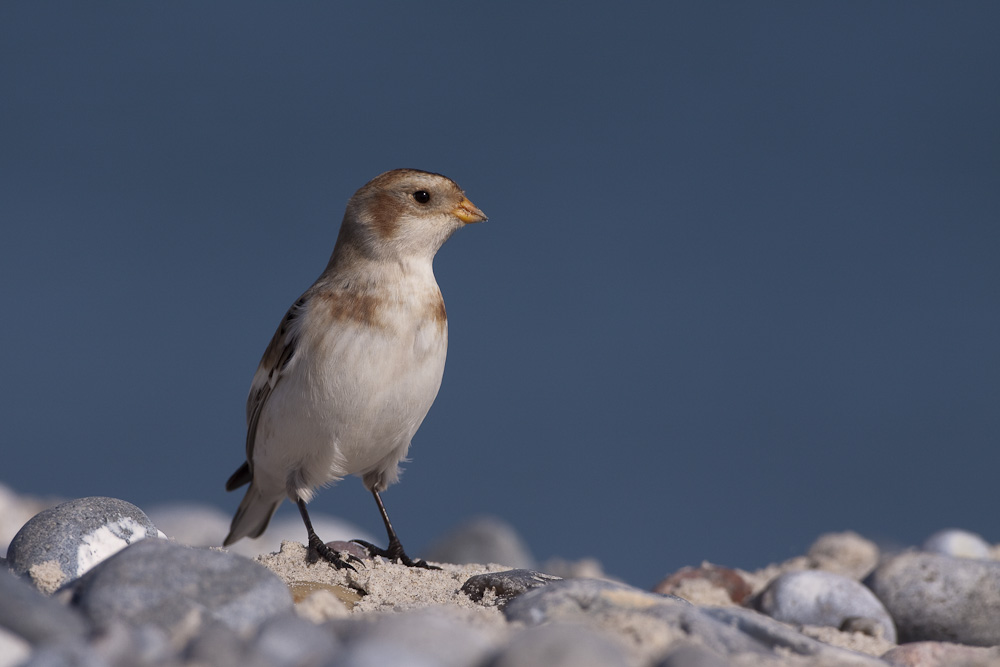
349 404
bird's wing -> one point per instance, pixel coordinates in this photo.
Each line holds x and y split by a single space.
277 356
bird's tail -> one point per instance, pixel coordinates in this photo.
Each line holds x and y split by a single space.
253 515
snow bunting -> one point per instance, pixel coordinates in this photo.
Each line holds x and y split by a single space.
357 361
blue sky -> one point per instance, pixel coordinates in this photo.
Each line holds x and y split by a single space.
740 284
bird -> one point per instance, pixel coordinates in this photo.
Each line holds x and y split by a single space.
356 362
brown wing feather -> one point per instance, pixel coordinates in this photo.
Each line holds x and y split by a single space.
276 357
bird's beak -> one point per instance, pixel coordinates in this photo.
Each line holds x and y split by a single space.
467 212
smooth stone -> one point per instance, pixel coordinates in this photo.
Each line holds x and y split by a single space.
736 630
69 539
13 649
61 654
616 608
220 646
715 577
573 599
177 588
940 598
287 641
844 553
815 597
432 637
692 655
560 645
16 510
957 543
506 585
482 540
34 617
941 654
126 645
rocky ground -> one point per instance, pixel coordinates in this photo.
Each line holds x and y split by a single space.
95 581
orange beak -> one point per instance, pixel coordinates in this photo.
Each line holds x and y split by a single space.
467 212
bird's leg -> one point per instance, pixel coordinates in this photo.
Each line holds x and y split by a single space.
395 550
339 560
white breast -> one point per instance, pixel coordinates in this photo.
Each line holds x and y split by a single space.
352 399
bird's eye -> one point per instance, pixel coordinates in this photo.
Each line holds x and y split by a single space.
422 196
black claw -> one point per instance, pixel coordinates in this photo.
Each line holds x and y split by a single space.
335 558
367 545
395 553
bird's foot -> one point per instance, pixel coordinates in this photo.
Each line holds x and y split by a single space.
395 553
339 559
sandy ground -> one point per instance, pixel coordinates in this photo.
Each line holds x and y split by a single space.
323 592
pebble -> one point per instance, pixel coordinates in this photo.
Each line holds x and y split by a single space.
34 617
505 585
60 544
65 655
15 511
941 654
845 553
574 599
561 645
431 637
122 644
287 640
940 598
13 649
657 620
957 543
715 578
177 588
160 603
220 646
815 597
688 654
483 540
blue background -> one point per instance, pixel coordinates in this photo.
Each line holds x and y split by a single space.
740 284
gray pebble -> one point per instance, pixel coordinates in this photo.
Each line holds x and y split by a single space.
287 641
220 646
940 598
734 631
560 645
727 631
815 597
941 654
432 637
689 654
13 649
572 599
845 553
176 588
482 540
958 543
506 585
77 535
128 646
75 654
36 618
